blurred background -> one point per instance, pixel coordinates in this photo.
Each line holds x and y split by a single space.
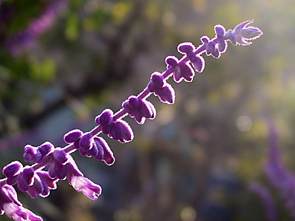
63 62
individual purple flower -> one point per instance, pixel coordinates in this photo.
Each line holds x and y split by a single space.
118 130
30 182
140 109
270 210
105 154
241 34
181 70
10 205
220 34
197 60
81 183
57 167
105 120
11 172
72 136
161 88
47 182
90 145
211 47
35 154
31 154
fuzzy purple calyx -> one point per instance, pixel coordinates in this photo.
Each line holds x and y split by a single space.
157 81
105 118
220 33
241 34
25 179
72 136
86 141
197 61
186 48
12 169
181 70
47 182
139 109
161 88
60 156
31 154
121 131
45 149
105 153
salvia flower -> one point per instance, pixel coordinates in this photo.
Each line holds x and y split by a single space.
197 60
10 205
81 183
11 172
220 34
140 109
211 47
73 136
47 183
36 154
58 167
52 164
161 88
118 130
181 70
241 34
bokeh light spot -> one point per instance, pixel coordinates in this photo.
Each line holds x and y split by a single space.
244 123
188 214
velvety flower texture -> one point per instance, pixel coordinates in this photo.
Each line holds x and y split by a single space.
139 109
10 205
161 88
118 130
51 164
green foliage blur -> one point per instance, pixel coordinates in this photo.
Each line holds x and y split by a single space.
195 160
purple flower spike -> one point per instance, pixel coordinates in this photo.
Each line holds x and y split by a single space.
108 156
121 131
220 33
72 136
86 142
164 90
139 109
31 154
